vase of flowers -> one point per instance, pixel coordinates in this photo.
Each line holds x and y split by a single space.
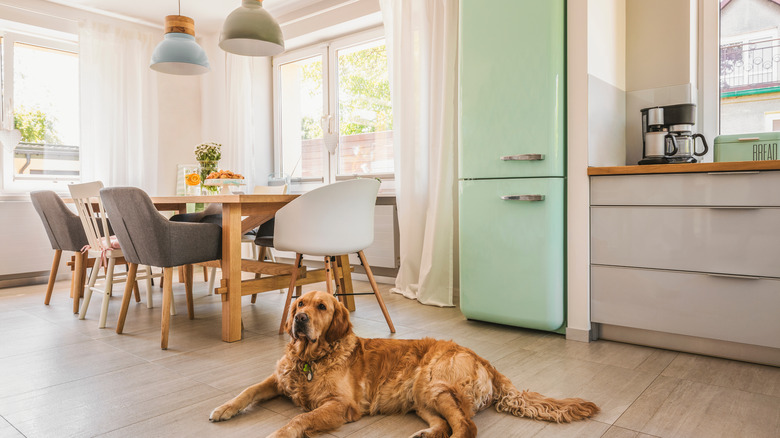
208 156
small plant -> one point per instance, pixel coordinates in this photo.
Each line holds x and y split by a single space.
208 152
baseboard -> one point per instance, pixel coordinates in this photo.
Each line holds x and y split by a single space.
25 279
579 335
692 344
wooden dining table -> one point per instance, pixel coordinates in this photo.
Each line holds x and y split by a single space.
240 213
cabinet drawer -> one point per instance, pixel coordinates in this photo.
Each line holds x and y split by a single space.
743 241
730 309
511 252
696 189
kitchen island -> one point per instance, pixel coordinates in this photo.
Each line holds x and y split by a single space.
685 257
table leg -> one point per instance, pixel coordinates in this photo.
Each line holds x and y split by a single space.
231 272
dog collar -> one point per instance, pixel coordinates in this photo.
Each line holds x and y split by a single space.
308 370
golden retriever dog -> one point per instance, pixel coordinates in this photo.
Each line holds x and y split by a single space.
338 377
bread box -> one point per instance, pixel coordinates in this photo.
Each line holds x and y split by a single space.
747 147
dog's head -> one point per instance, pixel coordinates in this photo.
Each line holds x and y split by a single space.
317 316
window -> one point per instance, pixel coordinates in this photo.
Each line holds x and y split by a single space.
333 112
749 66
41 100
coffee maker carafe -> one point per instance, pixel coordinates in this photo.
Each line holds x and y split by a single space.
667 134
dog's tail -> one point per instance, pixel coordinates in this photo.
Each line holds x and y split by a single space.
534 405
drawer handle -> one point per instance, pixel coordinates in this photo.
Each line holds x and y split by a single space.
532 198
734 276
748 139
523 157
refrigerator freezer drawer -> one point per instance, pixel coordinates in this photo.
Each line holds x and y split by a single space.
512 251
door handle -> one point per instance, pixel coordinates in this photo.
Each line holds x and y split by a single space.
531 198
523 157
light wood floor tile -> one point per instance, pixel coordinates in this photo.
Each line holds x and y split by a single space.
619 432
192 421
54 366
674 407
605 352
612 388
761 379
103 402
63 377
8 431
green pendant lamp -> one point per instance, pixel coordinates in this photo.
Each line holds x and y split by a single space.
251 31
178 53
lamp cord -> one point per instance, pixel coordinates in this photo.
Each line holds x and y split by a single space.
179 7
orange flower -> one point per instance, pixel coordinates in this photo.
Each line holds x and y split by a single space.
192 179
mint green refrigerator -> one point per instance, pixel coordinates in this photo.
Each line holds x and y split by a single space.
512 168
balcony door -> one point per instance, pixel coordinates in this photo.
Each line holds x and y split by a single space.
333 113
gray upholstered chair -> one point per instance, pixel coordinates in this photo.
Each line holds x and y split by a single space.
147 238
65 234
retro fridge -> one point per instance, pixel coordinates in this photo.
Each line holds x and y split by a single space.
512 169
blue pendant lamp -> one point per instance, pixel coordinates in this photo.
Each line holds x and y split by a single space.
178 53
251 31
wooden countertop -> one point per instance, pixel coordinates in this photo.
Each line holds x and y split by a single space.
732 166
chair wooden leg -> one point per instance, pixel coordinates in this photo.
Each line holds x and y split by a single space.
88 289
136 290
166 307
55 265
149 300
107 292
293 279
260 258
329 275
344 280
205 273
79 272
212 278
374 286
132 270
188 274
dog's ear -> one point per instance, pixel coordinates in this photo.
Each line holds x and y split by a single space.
291 318
340 325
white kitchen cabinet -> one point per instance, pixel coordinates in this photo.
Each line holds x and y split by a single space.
692 257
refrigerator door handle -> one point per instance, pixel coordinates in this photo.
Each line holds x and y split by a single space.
532 198
523 157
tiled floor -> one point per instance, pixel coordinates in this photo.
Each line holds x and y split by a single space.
63 377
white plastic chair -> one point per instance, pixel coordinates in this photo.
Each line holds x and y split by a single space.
330 221
103 247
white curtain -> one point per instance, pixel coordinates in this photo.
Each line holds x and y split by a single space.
239 151
119 111
422 37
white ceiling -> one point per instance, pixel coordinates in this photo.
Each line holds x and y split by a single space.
208 14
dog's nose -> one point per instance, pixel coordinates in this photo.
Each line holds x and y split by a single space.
301 317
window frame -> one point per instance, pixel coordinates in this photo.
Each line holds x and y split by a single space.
329 52
9 39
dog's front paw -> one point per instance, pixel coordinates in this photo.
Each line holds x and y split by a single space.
224 412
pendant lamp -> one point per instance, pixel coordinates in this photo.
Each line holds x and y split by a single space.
251 31
178 53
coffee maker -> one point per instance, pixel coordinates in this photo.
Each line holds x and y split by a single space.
667 135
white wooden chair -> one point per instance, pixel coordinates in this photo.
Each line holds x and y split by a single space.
103 247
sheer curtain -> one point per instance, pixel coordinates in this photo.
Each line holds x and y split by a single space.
119 111
422 37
